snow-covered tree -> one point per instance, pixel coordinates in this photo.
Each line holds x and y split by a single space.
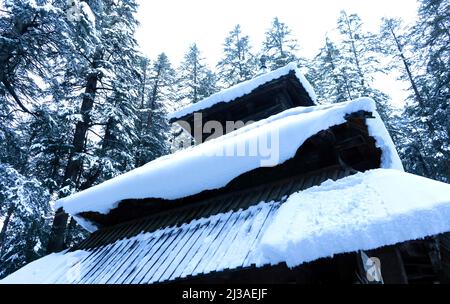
327 73
238 63
358 49
157 98
98 81
432 33
422 58
279 46
24 212
31 37
195 80
410 143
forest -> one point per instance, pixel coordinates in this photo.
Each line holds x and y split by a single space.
80 103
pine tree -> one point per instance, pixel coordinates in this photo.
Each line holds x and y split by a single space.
428 106
433 37
411 142
31 34
238 63
103 68
24 209
32 38
82 68
279 47
419 55
328 75
195 81
157 95
360 62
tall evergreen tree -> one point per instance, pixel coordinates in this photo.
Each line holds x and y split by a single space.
279 46
428 75
359 52
195 81
238 63
157 96
328 75
433 36
31 34
99 78
412 143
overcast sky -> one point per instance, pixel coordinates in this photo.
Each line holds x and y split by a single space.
171 25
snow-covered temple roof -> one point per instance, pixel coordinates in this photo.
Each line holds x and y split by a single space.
190 172
244 88
360 212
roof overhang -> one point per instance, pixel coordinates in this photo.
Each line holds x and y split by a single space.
235 97
206 168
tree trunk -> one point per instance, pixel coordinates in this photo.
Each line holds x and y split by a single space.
74 165
71 227
195 81
407 68
57 237
152 100
354 51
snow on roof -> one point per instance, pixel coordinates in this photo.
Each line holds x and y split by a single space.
211 166
361 212
245 88
47 270
222 241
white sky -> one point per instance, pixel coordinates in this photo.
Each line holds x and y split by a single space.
171 25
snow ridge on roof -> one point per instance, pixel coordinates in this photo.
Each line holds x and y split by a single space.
208 167
245 88
361 212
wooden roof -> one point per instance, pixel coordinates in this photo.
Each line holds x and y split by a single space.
268 99
196 240
346 144
152 241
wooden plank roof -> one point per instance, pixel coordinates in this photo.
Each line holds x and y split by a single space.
204 238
